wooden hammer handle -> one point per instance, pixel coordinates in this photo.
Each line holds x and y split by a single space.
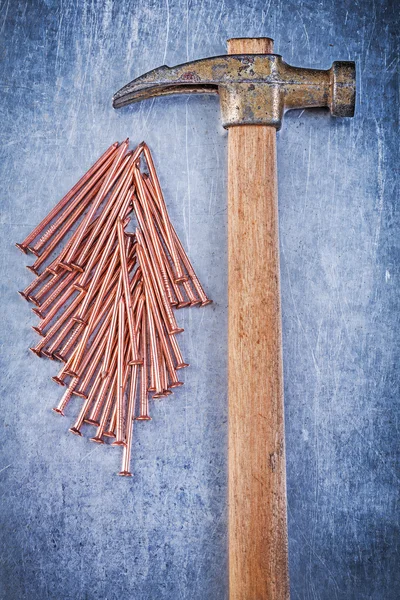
258 563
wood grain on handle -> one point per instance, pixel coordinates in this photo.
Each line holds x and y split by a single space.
258 563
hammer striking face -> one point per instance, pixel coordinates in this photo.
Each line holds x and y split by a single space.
255 87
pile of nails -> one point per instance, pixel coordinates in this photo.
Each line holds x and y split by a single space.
106 299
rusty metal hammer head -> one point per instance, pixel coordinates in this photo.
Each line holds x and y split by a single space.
255 89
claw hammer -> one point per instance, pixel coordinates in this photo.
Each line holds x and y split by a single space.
255 87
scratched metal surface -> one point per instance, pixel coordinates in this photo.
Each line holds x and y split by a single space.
72 529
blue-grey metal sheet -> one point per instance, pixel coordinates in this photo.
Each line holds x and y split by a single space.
70 527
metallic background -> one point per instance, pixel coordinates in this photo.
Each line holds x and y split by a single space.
71 528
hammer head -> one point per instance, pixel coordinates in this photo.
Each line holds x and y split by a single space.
254 89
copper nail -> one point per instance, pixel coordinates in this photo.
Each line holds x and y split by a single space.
34 284
101 430
93 393
100 340
180 363
119 441
54 280
63 353
154 369
110 179
98 405
163 378
96 391
127 293
66 397
111 333
106 410
92 367
60 205
76 427
144 395
107 215
99 298
55 264
182 254
163 209
180 301
164 339
40 312
151 279
65 229
76 207
119 205
63 373
139 309
54 348
110 432
126 454
59 323
51 314
98 272
151 235
153 265
113 325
